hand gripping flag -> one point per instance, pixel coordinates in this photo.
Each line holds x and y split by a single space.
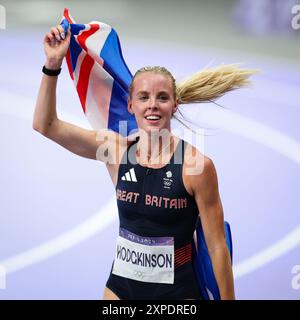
102 78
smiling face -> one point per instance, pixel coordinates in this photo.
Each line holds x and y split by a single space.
152 101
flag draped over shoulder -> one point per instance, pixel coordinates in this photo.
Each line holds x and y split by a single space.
102 78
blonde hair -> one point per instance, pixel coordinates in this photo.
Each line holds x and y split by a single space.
155 69
206 85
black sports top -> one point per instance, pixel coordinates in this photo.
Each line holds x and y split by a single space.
157 221
154 202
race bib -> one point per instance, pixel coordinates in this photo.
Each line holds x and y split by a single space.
147 259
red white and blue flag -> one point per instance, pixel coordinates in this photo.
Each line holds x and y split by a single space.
100 74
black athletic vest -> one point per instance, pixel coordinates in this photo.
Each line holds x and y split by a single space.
154 202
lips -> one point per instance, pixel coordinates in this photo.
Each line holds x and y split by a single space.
153 117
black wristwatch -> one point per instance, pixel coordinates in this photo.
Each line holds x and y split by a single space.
51 72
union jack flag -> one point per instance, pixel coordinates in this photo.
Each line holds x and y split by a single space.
100 74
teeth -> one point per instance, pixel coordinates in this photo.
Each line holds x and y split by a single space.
152 118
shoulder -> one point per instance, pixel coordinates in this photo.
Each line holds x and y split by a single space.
123 144
111 145
129 140
114 139
199 171
118 145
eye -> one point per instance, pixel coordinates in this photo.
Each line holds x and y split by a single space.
163 98
143 97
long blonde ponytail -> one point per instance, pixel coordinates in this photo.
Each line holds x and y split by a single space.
210 84
206 85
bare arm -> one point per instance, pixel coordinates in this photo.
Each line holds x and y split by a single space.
205 190
45 120
56 45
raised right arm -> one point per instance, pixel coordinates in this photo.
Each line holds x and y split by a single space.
75 139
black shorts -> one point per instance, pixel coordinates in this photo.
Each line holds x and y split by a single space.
184 287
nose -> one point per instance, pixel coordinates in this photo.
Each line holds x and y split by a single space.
152 103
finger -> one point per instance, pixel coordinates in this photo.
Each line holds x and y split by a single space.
56 33
49 37
61 32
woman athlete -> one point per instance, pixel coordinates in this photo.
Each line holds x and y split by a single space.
162 182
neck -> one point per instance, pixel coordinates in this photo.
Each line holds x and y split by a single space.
153 146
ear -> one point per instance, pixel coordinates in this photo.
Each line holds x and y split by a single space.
129 106
175 108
